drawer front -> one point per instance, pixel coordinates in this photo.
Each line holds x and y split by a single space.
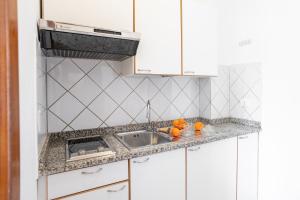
84 179
117 191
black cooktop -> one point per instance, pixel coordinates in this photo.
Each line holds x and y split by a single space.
87 147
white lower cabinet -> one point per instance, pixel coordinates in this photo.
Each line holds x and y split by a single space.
160 176
211 171
247 167
225 169
113 192
72 182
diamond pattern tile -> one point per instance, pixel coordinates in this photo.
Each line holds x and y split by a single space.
181 81
51 62
66 73
134 104
192 89
245 91
141 116
84 93
147 89
220 94
182 102
205 98
170 90
160 103
170 113
119 117
103 74
85 65
67 108
86 120
119 90
54 90
159 81
236 92
133 81
191 111
54 123
103 106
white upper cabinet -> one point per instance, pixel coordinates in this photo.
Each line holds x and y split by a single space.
178 37
211 171
159 51
199 37
247 167
158 177
108 14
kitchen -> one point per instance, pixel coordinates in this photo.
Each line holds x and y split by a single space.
151 89
140 100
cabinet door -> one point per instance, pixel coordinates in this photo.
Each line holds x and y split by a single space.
70 182
211 171
247 167
108 14
113 192
199 29
160 176
159 51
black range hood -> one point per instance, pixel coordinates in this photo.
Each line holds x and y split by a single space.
76 41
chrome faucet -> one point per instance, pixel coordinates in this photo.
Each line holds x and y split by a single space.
148 116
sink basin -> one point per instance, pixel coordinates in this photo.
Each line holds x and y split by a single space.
143 138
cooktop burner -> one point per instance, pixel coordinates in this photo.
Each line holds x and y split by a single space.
82 148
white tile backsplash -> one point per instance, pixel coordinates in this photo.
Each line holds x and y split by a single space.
67 108
220 94
205 98
236 93
66 73
86 93
245 91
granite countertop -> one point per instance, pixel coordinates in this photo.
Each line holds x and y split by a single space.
53 156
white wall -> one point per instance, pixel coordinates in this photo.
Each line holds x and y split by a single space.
41 78
240 31
28 13
279 142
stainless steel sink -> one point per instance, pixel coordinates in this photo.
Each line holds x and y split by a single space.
143 138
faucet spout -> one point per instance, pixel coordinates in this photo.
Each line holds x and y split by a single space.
148 116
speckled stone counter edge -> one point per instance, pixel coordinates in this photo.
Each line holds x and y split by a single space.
45 168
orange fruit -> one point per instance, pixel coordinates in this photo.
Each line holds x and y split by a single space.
197 133
175 132
181 126
182 121
198 126
179 123
175 123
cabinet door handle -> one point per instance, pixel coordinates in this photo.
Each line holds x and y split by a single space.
122 188
143 161
243 137
144 70
94 172
194 149
189 72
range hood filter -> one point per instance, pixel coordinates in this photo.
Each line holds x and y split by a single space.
68 40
